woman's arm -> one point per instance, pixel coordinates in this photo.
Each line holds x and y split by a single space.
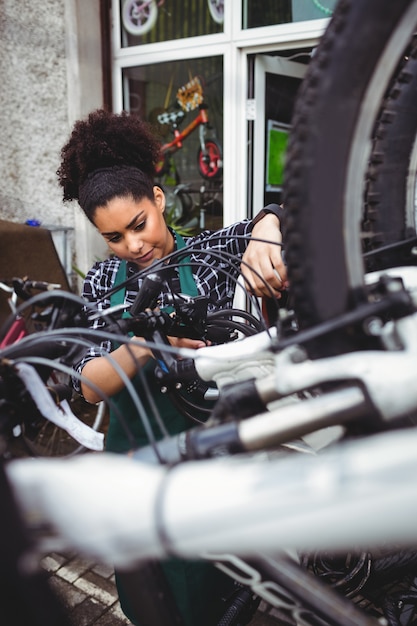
103 373
262 262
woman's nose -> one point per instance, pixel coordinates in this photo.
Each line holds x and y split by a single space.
134 242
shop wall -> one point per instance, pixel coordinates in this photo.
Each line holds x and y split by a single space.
33 109
51 75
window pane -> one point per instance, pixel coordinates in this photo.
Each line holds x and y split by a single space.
266 12
184 98
151 21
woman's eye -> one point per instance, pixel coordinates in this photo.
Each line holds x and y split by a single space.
114 239
140 226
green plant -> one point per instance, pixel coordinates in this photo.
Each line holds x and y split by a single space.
173 223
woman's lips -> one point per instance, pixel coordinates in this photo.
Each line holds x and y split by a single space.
145 258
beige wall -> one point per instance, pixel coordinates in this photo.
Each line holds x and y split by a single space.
33 108
85 93
50 71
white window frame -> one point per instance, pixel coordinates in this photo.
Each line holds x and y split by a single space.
235 45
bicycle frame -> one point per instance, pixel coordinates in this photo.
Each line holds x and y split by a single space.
18 329
267 504
209 157
179 136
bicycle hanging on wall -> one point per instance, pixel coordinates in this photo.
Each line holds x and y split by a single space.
189 98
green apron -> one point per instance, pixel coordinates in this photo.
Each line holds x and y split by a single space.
195 585
174 421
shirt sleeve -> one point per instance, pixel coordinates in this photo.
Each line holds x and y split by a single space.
97 283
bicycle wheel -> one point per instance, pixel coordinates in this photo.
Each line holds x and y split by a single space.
43 438
391 175
210 162
216 8
139 16
328 155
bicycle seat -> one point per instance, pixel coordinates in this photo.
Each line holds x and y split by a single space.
173 117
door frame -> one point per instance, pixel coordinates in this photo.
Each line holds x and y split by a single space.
265 64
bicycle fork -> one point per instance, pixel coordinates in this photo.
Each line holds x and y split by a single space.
202 131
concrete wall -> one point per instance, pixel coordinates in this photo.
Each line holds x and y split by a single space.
50 71
33 109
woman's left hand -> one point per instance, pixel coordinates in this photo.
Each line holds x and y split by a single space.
184 342
262 265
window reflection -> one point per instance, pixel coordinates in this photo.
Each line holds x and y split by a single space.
183 101
258 13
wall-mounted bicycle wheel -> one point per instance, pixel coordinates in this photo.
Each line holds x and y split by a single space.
139 16
210 163
216 8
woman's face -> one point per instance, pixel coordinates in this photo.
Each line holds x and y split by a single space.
136 231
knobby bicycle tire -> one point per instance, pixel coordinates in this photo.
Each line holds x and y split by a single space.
391 175
328 155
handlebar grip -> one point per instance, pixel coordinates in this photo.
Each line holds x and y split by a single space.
41 285
23 287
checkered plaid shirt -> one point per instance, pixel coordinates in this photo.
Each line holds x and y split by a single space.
215 261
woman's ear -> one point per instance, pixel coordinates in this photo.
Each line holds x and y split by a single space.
159 198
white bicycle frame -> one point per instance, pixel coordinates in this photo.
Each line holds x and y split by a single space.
265 502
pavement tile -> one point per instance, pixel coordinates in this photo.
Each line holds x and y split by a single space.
113 617
68 573
103 570
92 590
52 562
69 595
87 613
105 584
88 592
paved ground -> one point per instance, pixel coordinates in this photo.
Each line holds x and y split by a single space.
86 589
88 592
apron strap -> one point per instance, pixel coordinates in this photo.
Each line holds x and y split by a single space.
118 297
187 281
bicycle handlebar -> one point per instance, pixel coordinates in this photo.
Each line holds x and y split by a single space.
23 287
261 431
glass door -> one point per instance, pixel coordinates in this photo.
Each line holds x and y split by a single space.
276 82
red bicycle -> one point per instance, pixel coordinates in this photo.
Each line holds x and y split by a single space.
209 155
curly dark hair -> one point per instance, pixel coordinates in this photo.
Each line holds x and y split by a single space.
104 140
